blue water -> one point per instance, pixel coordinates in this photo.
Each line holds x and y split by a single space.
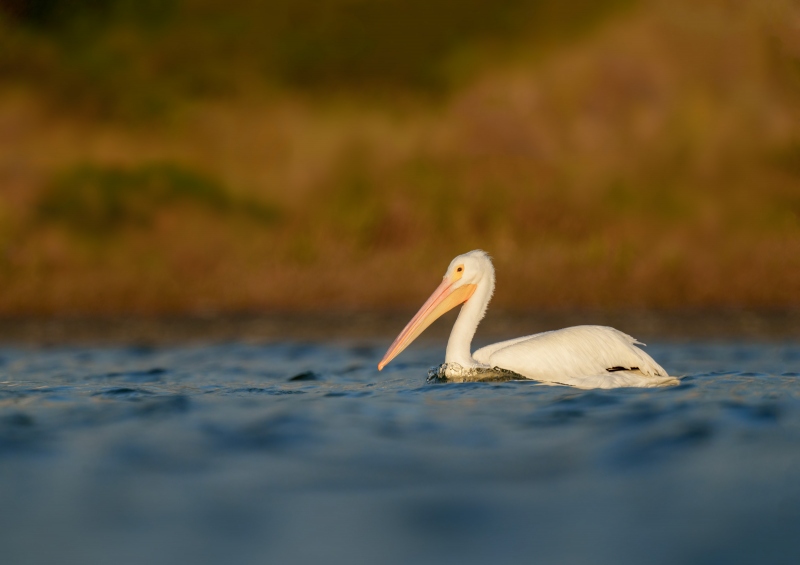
304 453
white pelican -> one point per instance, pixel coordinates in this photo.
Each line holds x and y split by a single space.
581 356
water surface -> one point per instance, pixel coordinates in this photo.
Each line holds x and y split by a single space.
296 452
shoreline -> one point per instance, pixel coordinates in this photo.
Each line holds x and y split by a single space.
675 325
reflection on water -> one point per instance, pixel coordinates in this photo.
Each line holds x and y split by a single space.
304 453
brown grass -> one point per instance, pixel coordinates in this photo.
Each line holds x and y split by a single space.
655 163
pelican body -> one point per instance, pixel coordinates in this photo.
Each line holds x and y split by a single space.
581 356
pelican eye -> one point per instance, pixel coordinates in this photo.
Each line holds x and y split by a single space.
459 269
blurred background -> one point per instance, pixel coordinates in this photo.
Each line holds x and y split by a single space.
200 156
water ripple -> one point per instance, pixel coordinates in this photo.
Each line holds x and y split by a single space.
263 449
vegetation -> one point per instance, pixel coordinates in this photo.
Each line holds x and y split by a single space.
197 156
141 59
98 200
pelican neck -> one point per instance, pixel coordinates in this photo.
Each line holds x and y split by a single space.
460 343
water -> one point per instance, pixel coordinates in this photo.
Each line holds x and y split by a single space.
303 453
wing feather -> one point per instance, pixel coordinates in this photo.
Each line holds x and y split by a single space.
579 356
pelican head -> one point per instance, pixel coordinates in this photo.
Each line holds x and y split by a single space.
462 278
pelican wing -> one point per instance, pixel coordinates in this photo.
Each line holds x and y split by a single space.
581 356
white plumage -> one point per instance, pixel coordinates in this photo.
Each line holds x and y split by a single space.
581 356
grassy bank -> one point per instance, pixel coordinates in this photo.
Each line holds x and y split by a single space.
650 159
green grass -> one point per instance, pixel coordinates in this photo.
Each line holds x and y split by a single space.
97 200
141 59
